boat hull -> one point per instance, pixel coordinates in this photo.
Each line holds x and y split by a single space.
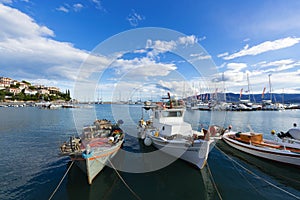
195 154
282 156
93 164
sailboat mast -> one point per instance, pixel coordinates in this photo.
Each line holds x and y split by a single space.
248 86
270 87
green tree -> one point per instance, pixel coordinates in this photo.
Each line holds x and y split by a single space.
26 82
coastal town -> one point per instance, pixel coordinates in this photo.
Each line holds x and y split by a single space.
16 92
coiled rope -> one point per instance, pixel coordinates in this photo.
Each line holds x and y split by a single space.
256 176
61 181
136 196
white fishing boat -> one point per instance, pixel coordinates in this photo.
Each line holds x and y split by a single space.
254 144
291 134
295 133
168 132
95 147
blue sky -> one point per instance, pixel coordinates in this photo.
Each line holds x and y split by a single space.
63 43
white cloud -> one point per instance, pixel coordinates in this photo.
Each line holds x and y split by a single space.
143 67
67 8
282 70
29 47
199 56
134 18
236 67
278 66
77 7
202 38
278 63
188 40
62 9
17 24
222 55
98 4
6 1
265 47
235 73
159 46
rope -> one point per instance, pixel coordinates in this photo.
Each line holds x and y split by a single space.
136 196
214 183
61 181
240 172
250 172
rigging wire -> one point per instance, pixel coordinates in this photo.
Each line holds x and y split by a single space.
61 181
258 177
128 187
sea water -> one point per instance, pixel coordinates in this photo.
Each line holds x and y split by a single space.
31 168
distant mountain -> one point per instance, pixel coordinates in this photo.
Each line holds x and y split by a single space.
279 98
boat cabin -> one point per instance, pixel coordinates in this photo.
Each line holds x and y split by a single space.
251 137
170 122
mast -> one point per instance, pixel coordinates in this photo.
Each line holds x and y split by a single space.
270 87
224 87
169 96
248 86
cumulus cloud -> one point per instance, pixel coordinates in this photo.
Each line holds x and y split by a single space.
188 40
159 46
264 47
235 72
17 24
28 46
143 67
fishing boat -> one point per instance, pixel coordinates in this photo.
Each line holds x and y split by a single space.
254 144
291 134
95 147
168 132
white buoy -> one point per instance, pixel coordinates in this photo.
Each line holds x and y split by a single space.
147 141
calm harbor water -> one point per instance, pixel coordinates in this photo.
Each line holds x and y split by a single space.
30 167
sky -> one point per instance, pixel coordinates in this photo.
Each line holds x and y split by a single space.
121 50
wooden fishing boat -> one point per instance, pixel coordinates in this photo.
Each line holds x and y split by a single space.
254 144
95 147
168 132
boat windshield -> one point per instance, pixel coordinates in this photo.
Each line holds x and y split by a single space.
172 113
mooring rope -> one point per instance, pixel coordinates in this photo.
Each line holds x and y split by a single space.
128 187
214 183
61 181
250 172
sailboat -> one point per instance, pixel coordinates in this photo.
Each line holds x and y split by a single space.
268 104
246 104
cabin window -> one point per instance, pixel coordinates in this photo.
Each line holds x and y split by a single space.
172 114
